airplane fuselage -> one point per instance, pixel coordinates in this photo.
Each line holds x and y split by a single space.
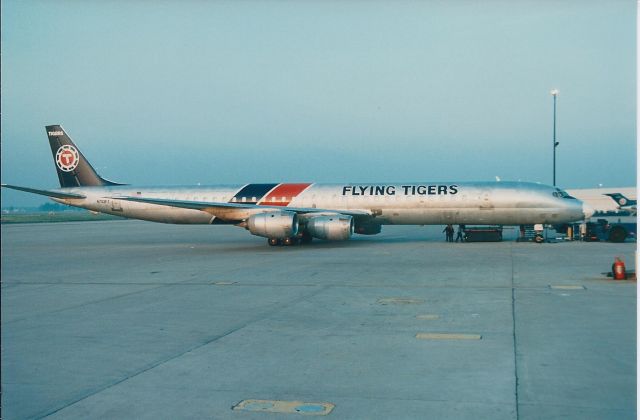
505 203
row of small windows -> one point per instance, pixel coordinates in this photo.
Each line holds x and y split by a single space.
333 197
233 200
254 199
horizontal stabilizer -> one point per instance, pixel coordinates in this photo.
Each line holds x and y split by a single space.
48 193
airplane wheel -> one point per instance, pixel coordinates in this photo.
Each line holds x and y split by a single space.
274 242
289 241
617 234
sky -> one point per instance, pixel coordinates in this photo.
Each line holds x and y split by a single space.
187 92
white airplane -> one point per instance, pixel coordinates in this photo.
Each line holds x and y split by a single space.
289 213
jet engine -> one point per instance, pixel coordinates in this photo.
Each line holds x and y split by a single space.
332 228
278 225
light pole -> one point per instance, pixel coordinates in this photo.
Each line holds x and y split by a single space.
554 93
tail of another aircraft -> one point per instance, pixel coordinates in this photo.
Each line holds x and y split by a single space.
622 200
74 170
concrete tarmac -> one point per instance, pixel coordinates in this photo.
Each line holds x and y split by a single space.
127 319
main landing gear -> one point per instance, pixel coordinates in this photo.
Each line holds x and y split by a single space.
304 239
274 241
282 242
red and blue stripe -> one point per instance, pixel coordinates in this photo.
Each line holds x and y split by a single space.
269 194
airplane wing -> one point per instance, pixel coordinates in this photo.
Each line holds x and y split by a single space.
237 211
48 193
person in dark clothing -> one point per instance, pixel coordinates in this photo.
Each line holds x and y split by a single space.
460 236
449 232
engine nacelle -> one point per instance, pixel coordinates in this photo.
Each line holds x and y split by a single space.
332 228
278 225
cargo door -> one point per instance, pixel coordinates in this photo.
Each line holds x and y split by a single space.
116 205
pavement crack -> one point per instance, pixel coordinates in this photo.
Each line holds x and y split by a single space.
515 335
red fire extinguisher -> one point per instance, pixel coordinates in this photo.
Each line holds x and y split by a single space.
619 270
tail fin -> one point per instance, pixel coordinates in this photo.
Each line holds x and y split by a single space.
621 199
74 170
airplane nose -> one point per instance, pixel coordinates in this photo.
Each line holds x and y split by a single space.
587 211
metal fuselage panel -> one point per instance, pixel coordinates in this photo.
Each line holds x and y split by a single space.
506 203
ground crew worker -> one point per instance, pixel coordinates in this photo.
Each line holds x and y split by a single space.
449 232
459 235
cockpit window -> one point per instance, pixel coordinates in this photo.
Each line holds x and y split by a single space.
562 194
